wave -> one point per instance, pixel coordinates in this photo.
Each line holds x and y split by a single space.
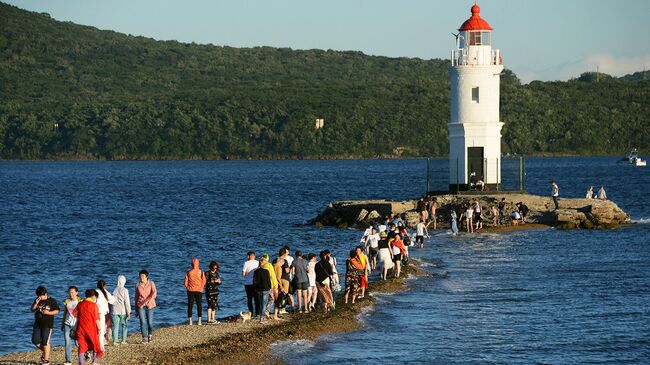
641 221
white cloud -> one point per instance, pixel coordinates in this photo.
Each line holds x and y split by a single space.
605 63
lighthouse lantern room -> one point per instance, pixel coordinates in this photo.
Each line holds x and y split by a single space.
475 127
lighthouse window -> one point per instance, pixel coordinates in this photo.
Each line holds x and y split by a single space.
474 38
479 38
475 94
485 38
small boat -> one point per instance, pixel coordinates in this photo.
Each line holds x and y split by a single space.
639 162
634 159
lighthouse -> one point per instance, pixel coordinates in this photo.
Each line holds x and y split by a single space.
475 127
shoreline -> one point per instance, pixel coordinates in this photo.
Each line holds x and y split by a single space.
294 158
232 343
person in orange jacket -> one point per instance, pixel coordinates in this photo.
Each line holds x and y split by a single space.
194 283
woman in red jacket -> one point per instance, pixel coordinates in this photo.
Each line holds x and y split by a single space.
88 327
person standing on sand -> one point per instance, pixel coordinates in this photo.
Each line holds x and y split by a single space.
312 292
555 194
69 322
88 327
602 195
288 269
44 308
262 286
283 280
266 309
323 281
194 283
104 298
145 301
247 272
453 222
212 283
590 193
121 311
300 268
385 255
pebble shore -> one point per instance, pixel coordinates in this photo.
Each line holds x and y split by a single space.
229 343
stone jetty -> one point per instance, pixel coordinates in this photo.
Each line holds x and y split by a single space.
572 212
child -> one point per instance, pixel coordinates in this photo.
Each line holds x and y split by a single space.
69 321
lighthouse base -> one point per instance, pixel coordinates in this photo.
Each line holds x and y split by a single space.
454 188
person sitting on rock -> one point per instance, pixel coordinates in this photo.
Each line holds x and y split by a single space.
516 217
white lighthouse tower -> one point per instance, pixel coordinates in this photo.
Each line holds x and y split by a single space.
475 127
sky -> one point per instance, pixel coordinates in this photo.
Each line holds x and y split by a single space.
539 40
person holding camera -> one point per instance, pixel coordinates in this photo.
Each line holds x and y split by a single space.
44 308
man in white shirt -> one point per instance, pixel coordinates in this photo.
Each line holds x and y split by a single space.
247 272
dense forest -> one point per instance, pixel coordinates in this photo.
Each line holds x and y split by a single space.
76 92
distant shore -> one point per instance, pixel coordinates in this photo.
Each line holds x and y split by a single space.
295 158
230 343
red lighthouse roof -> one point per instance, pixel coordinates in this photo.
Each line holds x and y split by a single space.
475 22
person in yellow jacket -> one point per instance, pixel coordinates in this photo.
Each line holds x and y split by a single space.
364 278
274 284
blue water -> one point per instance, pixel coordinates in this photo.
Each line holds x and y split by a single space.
541 296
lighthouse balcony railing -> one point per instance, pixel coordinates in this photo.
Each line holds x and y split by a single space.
460 57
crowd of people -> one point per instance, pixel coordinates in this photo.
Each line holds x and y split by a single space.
91 320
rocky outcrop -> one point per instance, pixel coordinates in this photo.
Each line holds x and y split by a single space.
572 213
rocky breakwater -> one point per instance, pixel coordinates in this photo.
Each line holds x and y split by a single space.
572 213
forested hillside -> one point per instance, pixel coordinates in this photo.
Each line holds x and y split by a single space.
71 91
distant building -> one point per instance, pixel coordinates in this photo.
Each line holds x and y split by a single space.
475 126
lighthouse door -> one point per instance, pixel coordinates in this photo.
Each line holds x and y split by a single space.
474 165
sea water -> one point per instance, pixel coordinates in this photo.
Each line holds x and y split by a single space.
544 296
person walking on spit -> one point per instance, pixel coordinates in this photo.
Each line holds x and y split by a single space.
145 300
44 308
555 193
353 272
194 283
262 286
88 327
602 195
312 292
323 280
69 321
453 220
104 298
247 272
275 283
422 209
372 247
212 282
121 311
502 211
300 268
